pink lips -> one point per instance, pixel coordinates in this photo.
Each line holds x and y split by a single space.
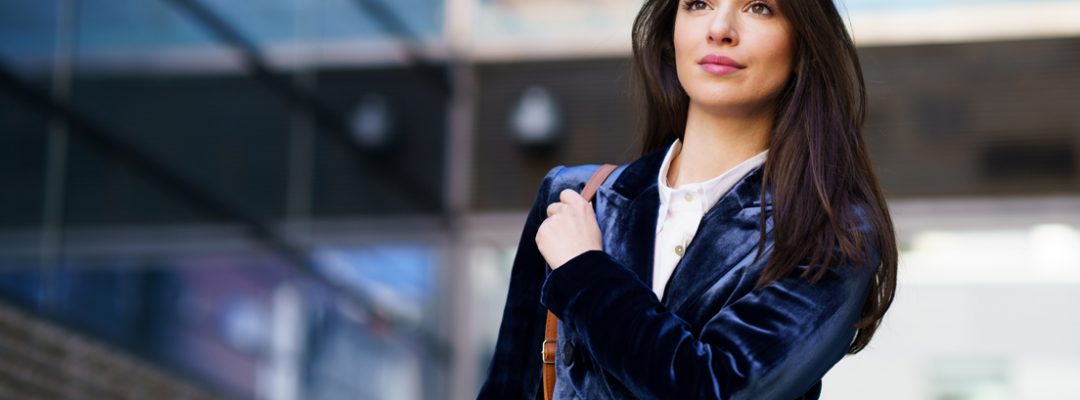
719 65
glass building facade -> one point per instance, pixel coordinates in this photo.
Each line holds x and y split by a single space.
321 199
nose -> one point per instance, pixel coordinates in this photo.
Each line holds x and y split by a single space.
722 28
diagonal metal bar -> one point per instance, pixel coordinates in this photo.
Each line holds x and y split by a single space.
388 19
390 22
190 193
323 115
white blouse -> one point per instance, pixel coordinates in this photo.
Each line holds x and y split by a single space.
681 210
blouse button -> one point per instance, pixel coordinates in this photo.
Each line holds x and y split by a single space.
689 196
679 250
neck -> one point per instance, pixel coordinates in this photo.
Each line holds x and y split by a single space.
713 143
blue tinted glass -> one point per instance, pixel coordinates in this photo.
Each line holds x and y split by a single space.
913 5
27 28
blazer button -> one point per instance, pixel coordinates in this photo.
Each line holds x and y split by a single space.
568 352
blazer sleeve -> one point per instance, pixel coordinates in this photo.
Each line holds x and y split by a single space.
774 342
514 369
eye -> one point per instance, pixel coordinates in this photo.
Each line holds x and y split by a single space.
760 8
694 5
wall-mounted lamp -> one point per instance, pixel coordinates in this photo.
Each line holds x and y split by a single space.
372 122
535 120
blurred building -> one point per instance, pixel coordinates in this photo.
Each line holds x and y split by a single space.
321 199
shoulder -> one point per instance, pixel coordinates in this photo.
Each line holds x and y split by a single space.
860 212
865 225
864 235
573 177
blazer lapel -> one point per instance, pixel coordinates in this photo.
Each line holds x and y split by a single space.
728 232
627 212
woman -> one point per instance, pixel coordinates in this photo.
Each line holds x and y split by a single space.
745 253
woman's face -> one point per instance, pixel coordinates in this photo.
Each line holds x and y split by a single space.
752 33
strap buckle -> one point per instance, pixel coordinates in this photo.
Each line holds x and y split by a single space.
544 352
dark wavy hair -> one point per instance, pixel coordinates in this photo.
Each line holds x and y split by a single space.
818 169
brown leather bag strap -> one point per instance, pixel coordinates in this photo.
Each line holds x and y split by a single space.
551 327
596 180
551 339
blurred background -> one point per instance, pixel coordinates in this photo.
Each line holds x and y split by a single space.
321 199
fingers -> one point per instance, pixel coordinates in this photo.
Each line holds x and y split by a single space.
553 208
569 196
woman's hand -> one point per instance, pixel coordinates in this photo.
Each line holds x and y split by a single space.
569 230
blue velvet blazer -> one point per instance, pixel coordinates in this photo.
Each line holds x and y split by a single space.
712 336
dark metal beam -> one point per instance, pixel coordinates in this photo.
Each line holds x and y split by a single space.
391 23
190 193
324 116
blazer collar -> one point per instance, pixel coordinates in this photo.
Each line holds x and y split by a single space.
627 214
639 177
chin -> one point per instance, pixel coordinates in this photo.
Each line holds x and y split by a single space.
715 102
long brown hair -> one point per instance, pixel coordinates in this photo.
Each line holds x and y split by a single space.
818 169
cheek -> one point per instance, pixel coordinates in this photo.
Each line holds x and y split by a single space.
782 50
685 37
685 43
680 43
779 56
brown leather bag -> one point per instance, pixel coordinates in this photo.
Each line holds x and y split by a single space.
551 329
